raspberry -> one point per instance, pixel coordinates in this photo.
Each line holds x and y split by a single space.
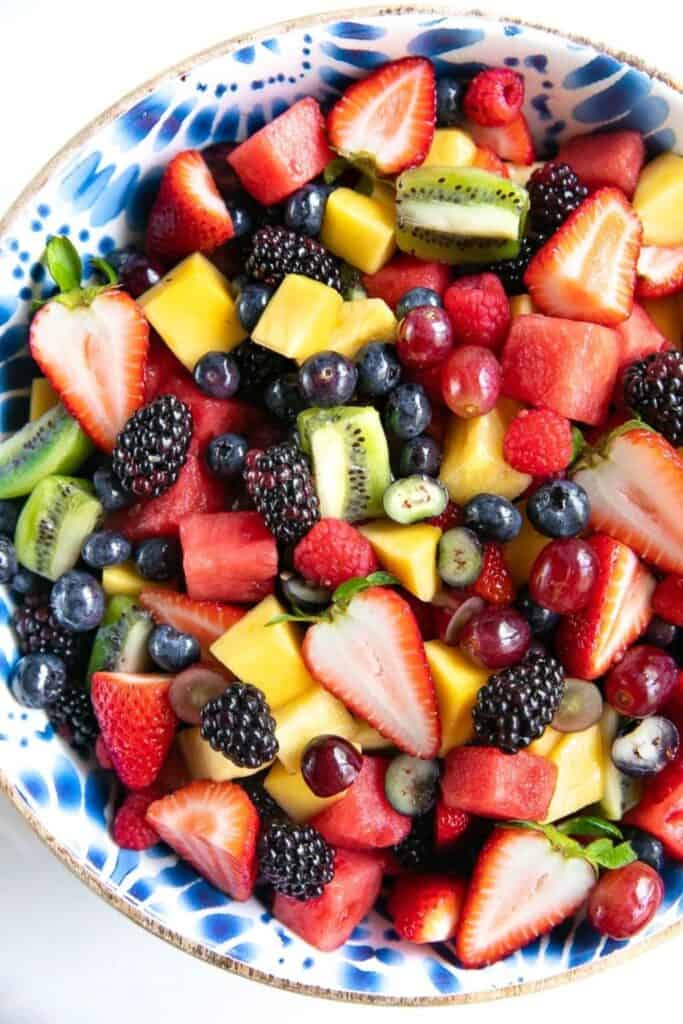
131 830
332 553
479 310
449 825
667 600
495 582
450 517
539 442
494 97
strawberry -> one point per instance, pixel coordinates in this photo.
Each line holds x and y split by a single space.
137 723
189 214
213 825
487 160
660 271
521 888
450 824
388 117
91 343
639 336
426 908
635 486
511 141
368 652
495 584
667 600
207 620
589 642
587 269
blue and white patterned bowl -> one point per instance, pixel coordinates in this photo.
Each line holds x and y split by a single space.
97 191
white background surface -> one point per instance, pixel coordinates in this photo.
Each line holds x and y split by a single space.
65 957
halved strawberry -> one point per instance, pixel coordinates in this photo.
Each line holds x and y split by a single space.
213 825
511 141
189 214
450 824
635 486
619 610
639 336
387 117
370 655
206 620
521 888
490 161
137 723
660 271
426 908
587 269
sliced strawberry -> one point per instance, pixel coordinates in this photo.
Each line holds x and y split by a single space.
486 782
371 657
364 819
189 214
639 336
387 117
206 620
94 357
587 269
450 824
511 141
137 723
635 486
426 908
606 158
213 825
620 608
487 160
660 271
521 888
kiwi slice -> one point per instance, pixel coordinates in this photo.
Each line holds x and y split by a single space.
53 444
459 214
53 524
350 457
121 640
622 792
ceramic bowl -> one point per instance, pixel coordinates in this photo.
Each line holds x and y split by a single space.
98 191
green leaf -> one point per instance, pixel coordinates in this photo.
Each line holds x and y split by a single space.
614 857
335 169
347 591
365 185
588 825
598 849
63 263
105 268
578 444
297 617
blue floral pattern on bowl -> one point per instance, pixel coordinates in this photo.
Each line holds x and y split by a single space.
98 192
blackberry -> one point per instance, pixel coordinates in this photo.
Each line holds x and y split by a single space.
511 272
276 252
295 859
152 447
416 852
653 389
280 484
266 807
514 707
238 724
38 632
258 366
73 717
554 192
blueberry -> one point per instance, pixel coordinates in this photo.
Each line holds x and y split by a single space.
416 298
226 453
8 560
647 748
217 375
411 784
27 582
559 508
77 601
105 547
38 680
540 619
420 455
251 302
646 848
661 633
9 513
171 650
328 379
284 398
242 221
449 93
492 517
305 209
408 411
158 559
379 369
109 491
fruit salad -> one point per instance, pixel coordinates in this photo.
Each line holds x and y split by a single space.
345 530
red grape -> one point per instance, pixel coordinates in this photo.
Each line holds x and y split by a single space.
642 681
192 689
330 764
471 381
425 337
496 638
563 575
625 900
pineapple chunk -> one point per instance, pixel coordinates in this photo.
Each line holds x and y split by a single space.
521 305
203 762
361 321
473 456
367 737
451 147
580 760
124 579
291 792
43 397
457 683
658 200
408 552
193 310
300 318
546 743
522 552
667 313
520 173
314 713
359 229
266 656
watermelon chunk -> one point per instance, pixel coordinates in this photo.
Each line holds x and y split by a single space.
565 365
328 922
639 336
608 158
491 784
401 274
229 556
285 154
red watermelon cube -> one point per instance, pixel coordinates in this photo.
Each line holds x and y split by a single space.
364 819
403 273
486 782
608 158
228 556
639 336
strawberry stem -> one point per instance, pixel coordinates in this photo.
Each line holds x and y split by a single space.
66 269
341 598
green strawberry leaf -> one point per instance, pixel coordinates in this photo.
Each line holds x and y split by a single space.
63 263
105 268
344 594
578 445
335 169
588 825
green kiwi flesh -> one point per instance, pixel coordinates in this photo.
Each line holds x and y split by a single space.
54 443
60 513
121 641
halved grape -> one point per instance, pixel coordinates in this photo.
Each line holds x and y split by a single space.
411 784
192 689
581 706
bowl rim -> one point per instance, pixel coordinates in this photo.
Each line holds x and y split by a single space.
92 881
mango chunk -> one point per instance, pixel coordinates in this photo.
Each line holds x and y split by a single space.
193 310
667 313
359 229
300 318
523 550
314 713
408 552
451 147
457 683
521 305
473 456
203 762
124 579
291 792
580 760
658 200
361 321
43 397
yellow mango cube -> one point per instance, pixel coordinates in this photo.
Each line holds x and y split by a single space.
361 321
523 550
359 229
473 460
300 318
408 552
457 683
667 313
125 580
292 793
203 762
43 397
193 310
451 147
367 737
521 305
266 656
658 200
580 760
314 713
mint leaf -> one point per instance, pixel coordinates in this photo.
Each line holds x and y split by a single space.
614 857
335 169
347 591
63 263
601 853
598 849
588 825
